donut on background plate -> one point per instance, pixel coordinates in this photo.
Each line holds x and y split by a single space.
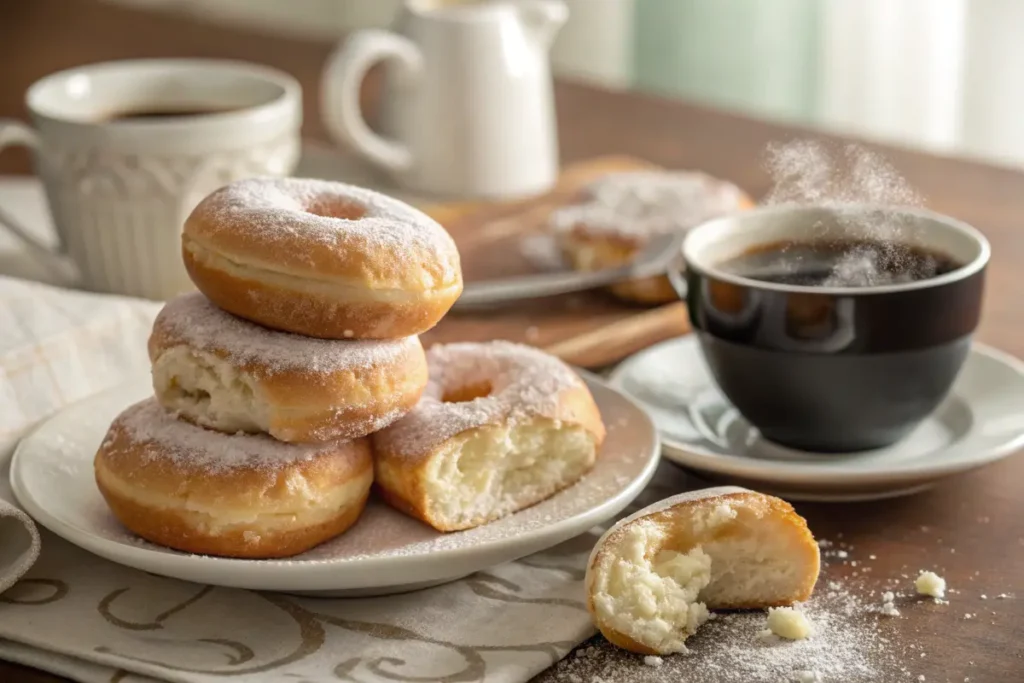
321 259
200 491
500 427
231 375
617 214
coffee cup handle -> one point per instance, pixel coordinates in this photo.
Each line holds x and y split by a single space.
339 92
17 133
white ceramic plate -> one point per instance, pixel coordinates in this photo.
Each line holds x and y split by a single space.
385 552
981 421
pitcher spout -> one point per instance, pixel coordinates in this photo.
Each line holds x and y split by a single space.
542 19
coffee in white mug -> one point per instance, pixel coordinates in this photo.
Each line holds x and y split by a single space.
125 150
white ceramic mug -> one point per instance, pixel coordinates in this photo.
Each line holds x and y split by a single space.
468 107
119 187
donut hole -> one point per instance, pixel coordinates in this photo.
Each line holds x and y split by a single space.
468 392
333 207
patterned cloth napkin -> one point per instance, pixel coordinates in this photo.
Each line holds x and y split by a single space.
92 620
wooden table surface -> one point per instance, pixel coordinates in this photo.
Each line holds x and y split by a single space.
970 527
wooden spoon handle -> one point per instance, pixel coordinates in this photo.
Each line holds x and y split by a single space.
611 343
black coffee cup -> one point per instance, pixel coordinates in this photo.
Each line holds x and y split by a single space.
832 366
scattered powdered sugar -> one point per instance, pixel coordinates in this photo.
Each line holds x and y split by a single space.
847 179
847 646
161 435
889 609
281 213
193 320
517 381
634 205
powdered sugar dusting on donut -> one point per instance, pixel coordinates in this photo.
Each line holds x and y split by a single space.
524 383
634 205
276 211
194 320
186 444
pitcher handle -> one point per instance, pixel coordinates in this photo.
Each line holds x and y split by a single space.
13 133
339 90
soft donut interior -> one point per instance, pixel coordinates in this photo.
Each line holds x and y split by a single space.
208 391
654 581
491 471
650 593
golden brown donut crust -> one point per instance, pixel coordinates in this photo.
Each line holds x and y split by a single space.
590 249
604 254
302 404
157 496
662 514
321 259
170 529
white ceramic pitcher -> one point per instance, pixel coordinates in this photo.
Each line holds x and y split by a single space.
467 107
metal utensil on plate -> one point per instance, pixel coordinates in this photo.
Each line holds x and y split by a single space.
654 260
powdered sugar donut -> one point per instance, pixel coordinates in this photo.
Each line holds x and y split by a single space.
200 491
499 427
652 577
619 213
321 259
231 375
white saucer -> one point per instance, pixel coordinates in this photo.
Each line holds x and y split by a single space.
981 421
385 552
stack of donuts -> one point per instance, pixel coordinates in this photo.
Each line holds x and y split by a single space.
296 371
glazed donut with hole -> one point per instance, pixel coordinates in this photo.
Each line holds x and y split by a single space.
615 217
228 374
321 259
200 491
499 427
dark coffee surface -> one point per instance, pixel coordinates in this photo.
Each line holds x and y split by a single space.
845 263
156 114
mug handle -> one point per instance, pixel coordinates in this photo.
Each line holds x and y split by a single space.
339 92
13 133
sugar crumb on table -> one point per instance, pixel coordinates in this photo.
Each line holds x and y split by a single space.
930 583
849 645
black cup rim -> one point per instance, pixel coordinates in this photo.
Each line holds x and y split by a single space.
733 222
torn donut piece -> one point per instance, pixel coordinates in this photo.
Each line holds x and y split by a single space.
500 427
652 577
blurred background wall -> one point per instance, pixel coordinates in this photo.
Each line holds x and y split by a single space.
943 75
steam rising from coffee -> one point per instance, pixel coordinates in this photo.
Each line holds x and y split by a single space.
844 178
810 172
